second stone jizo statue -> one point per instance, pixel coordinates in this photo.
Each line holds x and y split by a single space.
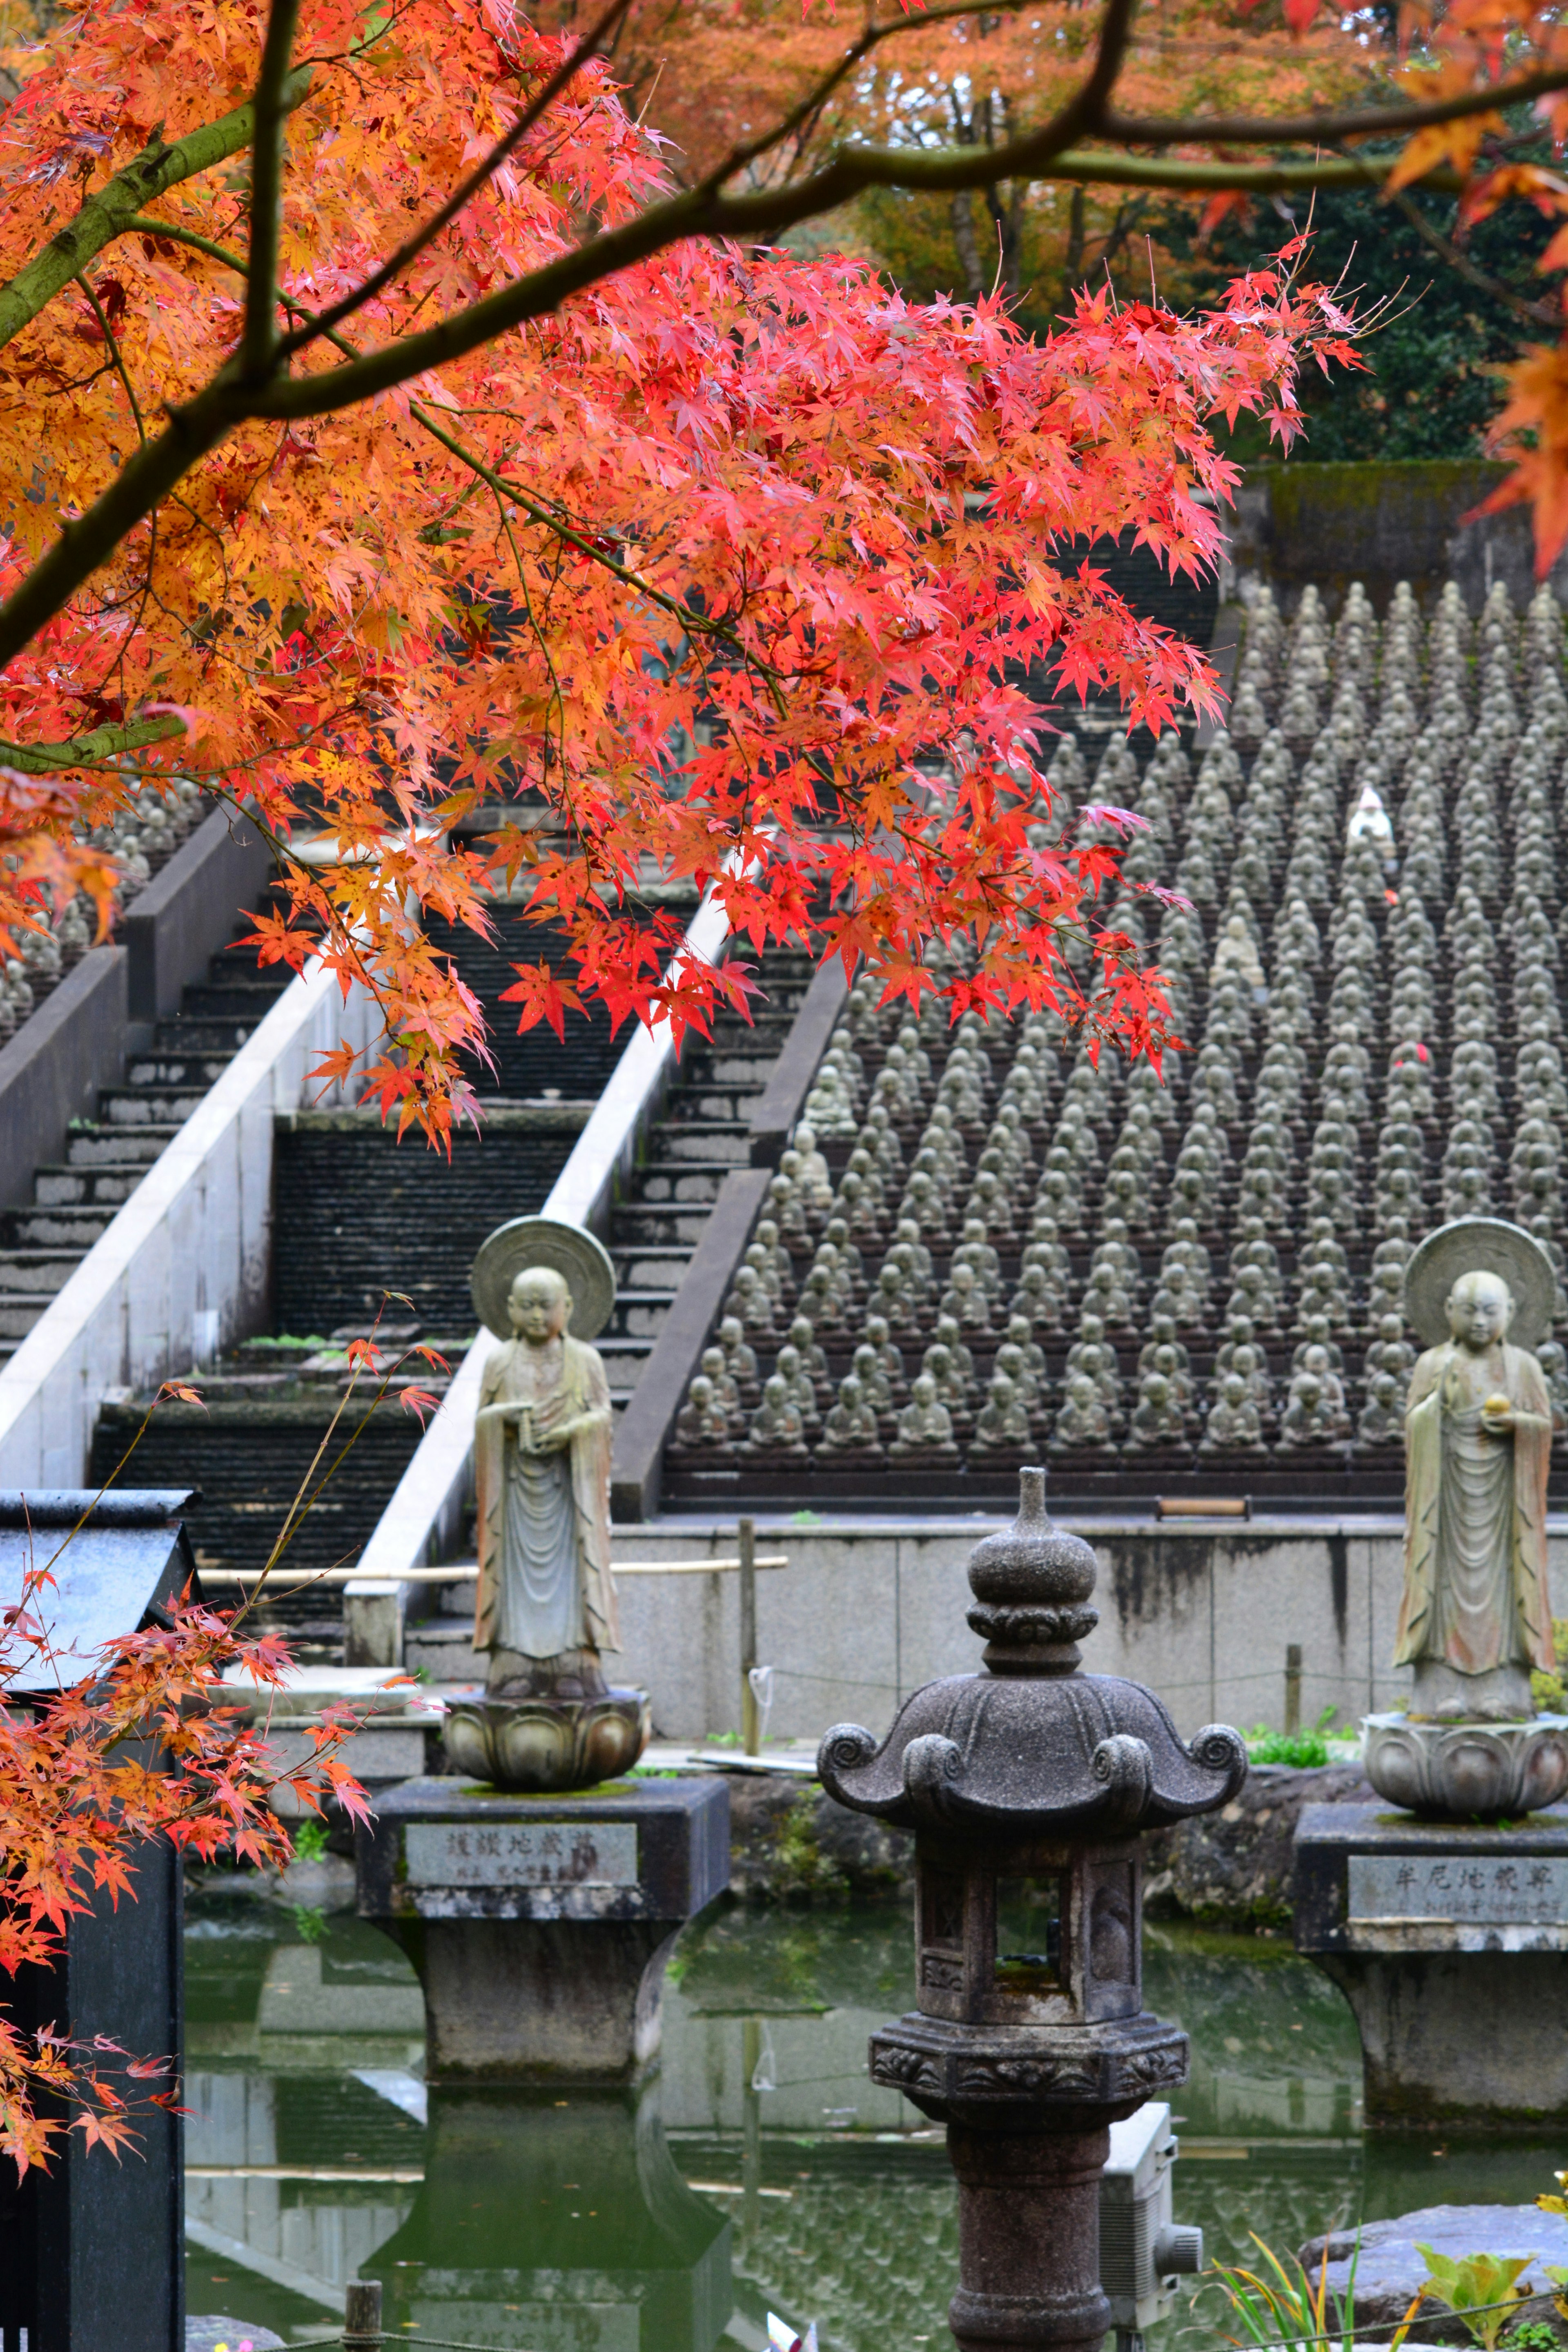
1475 1618
546 1607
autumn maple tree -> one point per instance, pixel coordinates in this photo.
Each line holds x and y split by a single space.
395 426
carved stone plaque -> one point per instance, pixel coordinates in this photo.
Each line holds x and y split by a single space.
1492 1890
521 1854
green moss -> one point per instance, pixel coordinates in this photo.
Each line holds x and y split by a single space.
800 1867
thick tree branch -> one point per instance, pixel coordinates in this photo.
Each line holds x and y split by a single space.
101 748
706 211
107 213
259 338
1330 128
1534 314
1085 167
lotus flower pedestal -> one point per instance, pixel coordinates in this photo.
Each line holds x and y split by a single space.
540 1926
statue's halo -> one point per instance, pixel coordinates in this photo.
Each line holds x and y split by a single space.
1480 1246
581 1259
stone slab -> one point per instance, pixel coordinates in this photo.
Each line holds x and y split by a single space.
1368 1879
445 1848
1430 1989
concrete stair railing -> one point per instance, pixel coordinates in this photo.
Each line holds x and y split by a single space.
181 1267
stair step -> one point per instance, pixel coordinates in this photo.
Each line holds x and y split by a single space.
214 1034
235 999
723 1105
19 1312
163 1069
651 1268
35 1273
648 1224
92 1146
640 1314
132 1105
676 1179
61 1226
724 1142
85 1184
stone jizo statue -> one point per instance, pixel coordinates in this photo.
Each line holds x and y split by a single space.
546 1609
542 1463
925 1426
1476 1614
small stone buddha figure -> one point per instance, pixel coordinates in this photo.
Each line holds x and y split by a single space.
890 1359
949 1335
1234 1421
1011 1363
801 1391
1036 1301
1163 1334
813 1180
546 1603
725 1389
1003 1426
750 1305
1083 1421
1157 1417
1552 1358
812 1362
925 1427
851 1426
965 1299
1315 1407
975 1249
777 1267
702 1425
1476 1615
948 1386
777 1433
1032 1355
1381 1422
740 1360
874 1384
786 1210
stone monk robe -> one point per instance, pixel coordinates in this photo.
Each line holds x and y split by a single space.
542 1466
1476 1614
546 1606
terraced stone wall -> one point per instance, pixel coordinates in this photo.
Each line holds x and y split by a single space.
1196 1287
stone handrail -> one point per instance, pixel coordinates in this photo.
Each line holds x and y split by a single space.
423 1517
192 1240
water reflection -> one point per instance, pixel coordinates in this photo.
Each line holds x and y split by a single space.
757 2170
565 2226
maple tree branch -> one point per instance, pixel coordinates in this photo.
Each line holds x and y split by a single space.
1087 167
1349 122
115 354
1534 314
104 216
412 247
99 749
258 353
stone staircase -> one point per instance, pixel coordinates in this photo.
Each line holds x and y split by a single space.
702 1132
105 1157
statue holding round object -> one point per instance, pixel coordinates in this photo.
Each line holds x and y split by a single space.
542 1460
1474 1618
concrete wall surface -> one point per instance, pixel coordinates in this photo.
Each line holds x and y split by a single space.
193 1239
51 1070
869 1609
1380 523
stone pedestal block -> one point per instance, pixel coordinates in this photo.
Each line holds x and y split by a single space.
1450 1944
539 1925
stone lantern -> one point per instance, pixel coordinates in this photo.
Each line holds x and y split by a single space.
1027 1786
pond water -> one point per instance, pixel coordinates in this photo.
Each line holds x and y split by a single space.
757 2170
